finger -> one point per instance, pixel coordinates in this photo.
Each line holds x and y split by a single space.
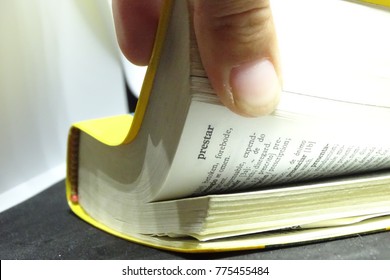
238 48
136 24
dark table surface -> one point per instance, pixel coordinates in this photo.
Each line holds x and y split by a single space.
43 227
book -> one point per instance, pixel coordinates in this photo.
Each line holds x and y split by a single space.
186 174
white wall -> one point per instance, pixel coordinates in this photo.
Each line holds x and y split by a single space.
59 63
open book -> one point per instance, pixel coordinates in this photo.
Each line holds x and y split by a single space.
186 174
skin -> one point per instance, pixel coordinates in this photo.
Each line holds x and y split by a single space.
237 45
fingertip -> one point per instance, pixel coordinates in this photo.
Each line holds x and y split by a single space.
255 88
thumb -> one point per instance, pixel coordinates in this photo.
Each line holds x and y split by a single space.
238 48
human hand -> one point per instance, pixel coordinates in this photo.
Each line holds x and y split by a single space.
236 41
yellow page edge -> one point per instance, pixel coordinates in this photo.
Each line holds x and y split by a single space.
150 72
117 130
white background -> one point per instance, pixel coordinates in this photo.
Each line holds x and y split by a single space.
59 64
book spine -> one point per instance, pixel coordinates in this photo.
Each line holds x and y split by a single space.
73 162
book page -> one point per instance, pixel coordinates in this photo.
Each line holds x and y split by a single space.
222 152
331 116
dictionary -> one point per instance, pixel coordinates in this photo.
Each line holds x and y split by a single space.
187 174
